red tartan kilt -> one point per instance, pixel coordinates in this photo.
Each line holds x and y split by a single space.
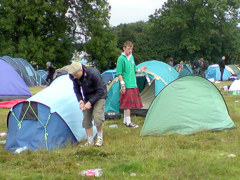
131 99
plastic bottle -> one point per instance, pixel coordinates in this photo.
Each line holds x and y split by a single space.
92 172
3 134
113 126
21 149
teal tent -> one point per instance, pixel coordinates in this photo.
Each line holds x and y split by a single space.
185 71
188 105
150 83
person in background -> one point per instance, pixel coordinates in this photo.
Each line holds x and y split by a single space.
180 66
170 62
130 96
91 92
203 67
51 71
221 64
196 66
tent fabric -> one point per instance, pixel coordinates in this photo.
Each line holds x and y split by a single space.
235 86
12 85
213 72
185 71
150 83
235 70
108 76
161 72
11 103
24 69
60 72
41 77
50 120
230 69
188 105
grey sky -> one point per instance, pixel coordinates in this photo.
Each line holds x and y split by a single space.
129 11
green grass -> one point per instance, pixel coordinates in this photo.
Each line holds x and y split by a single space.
199 156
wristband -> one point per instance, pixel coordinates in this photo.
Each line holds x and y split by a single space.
122 83
139 70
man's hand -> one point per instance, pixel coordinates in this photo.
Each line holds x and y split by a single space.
143 68
82 105
88 105
123 89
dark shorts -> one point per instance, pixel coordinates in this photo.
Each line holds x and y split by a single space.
96 113
131 99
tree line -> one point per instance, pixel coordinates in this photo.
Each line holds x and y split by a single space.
47 30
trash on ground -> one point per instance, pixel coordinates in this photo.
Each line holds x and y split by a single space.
92 172
113 126
231 155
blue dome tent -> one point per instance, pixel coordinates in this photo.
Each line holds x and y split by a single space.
150 83
41 77
24 69
213 72
12 85
108 76
48 120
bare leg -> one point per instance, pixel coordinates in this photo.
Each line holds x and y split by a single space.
127 112
99 129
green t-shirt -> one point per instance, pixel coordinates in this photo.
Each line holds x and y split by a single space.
127 69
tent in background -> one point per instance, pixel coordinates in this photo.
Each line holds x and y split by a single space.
157 76
41 77
213 72
188 105
234 70
24 69
235 86
60 72
108 76
185 71
12 85
48 120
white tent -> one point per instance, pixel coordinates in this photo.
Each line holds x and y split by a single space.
235 86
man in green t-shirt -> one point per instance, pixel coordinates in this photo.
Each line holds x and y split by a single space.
130 96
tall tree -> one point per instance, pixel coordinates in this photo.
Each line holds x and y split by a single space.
185 29
34 30
93 31
47 30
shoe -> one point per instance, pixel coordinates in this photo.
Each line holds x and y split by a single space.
131 125
99 141
87 144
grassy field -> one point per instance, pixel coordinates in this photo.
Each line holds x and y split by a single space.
201 156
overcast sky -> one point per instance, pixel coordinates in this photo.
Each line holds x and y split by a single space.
130 11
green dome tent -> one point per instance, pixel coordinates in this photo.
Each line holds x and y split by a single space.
188 105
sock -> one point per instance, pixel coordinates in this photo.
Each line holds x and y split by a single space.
100 134
124 118
128 120
90 139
